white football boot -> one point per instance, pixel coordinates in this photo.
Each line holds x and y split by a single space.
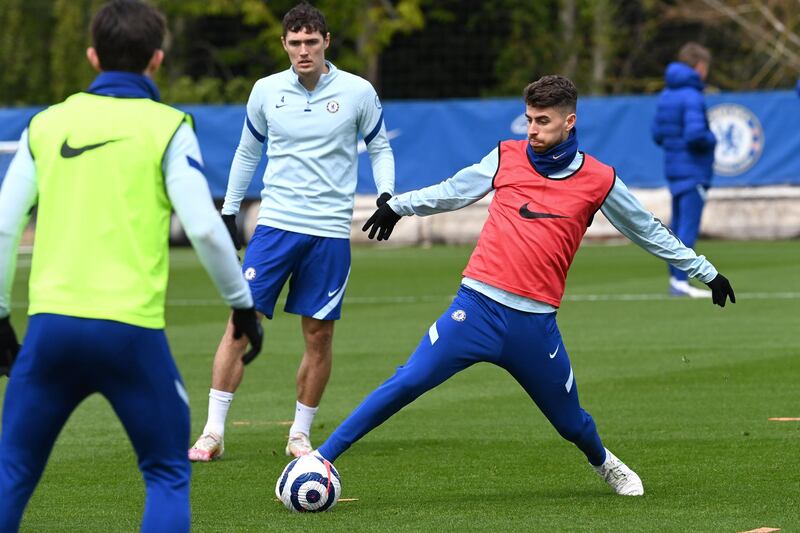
619 477
208 447
682 288
299 444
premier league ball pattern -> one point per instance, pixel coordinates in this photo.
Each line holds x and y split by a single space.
309 484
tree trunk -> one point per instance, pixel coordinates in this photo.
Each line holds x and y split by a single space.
601 40
569 59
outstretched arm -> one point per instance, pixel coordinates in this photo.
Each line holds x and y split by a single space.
466 187
626 214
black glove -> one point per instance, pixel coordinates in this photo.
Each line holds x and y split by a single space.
721 289
9 347
382 221
383 198
246 322
230 223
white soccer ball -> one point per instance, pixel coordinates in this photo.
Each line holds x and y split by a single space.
309 484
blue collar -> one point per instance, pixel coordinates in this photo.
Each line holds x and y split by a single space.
557 158
124 85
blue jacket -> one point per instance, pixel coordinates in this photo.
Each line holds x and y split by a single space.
681 129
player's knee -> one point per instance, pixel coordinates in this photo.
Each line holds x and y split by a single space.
319 346
320 341
229 340
409 385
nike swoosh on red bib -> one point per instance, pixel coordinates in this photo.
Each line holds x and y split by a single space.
526 213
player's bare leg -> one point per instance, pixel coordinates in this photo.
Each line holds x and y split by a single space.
226 376
228 369
312 377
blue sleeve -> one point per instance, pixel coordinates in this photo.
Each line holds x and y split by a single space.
696 132
625 213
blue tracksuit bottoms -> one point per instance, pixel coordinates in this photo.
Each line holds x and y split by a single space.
65 359
476 329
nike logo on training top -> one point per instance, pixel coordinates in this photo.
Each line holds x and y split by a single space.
526 213
68 151
555 352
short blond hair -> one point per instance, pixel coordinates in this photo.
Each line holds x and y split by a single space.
692 53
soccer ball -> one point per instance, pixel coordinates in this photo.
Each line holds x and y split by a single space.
309 484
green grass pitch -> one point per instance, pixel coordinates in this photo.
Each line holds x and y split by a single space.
681 390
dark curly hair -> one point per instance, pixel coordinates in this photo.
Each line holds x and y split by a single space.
304 16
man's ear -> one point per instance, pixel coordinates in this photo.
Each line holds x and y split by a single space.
571 119
94 60
155 63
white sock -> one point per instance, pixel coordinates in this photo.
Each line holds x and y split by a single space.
303 417
219 402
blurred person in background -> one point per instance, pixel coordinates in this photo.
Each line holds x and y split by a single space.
105 168
681 128
309 116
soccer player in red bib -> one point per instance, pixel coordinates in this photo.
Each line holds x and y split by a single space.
546 193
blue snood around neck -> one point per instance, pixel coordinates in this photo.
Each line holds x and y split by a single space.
557 158
124 85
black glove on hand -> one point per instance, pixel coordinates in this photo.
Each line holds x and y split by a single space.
9 347
721 289
383 198
230 223
246 322
382 221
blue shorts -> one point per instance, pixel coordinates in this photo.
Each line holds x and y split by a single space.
319 269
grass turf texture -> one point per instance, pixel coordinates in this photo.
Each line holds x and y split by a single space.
680 390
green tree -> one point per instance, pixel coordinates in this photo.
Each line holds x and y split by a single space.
24 51
69 69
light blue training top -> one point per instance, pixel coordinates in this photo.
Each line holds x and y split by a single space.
621 208
312 150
